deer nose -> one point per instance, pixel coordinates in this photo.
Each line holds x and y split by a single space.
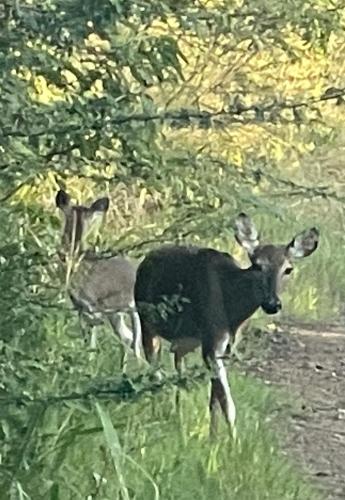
273 306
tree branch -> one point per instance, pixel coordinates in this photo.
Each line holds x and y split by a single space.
127 389
234 111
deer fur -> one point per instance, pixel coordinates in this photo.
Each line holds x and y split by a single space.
216 296
100 288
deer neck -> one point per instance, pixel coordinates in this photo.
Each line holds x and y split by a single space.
244 295
78 267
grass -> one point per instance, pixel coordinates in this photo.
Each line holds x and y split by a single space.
149 449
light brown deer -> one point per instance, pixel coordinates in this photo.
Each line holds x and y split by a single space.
216 298
100 288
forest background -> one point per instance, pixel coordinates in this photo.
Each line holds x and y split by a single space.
184 113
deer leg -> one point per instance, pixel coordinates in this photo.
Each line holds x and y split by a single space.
137 336
223 394
123 359
181 347
238 335
125 335
178 362
220 390
119 325
152 347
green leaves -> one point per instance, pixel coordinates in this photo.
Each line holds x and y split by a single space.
184 113
114 446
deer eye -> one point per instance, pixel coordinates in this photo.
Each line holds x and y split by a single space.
288 270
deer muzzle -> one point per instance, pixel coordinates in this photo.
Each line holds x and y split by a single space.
272 306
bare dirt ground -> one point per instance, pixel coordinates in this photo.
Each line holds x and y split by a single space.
308 362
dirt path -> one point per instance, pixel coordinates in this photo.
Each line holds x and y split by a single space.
310 364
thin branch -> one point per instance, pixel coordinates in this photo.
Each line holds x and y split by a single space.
234 111
127 389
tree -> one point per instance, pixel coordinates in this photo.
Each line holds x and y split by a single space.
186 112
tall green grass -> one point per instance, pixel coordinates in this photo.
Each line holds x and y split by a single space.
151 449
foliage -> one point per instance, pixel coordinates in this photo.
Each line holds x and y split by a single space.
157 450
185 113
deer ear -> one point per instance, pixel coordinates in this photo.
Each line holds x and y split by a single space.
303 244
100 205
62 199
246 233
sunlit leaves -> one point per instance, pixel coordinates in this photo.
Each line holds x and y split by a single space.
184 113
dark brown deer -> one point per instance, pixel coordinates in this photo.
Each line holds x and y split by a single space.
200 297
100 288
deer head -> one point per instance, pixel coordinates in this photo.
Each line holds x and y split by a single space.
79 220
275 262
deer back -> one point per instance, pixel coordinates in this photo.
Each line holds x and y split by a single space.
104 284
176 287
214 292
